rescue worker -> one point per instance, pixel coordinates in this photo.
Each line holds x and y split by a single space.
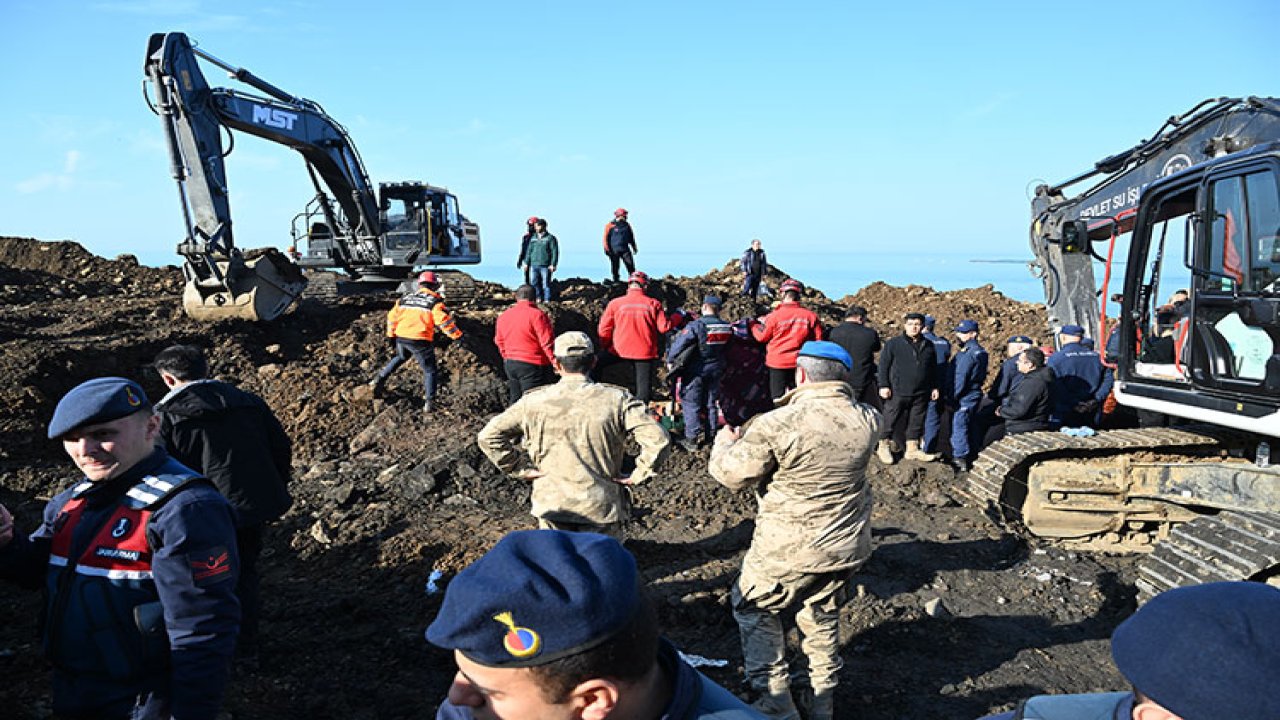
411 326
754 265
139 566
1200 652
231 437
551 624
1028 407
783 331
1081 381
704 342
620 243
908 378
806 461
630 328
862 342
524 245
936 421
1007 377
540 258
969 371
576 433
523 335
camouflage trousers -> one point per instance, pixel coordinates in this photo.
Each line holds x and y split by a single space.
761 604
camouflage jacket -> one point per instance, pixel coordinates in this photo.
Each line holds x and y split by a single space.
807 462
575 432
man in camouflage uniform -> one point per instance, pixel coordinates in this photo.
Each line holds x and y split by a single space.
575 433
807 462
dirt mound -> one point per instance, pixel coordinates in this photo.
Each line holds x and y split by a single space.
386 494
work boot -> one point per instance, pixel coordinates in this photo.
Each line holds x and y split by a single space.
376 385
961 465
426 406
688 445
885 452
777 704
823 706
914 452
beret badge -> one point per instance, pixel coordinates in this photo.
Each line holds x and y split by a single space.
519 641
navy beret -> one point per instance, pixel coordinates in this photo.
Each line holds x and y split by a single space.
967 326
1021 339
538 596
713 301
1072 330
929 320
1205 652
97 401
828 351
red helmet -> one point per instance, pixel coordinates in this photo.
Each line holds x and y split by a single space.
620 212
428 278
532 219
639 278
791 285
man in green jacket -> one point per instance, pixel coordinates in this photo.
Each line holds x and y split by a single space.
540 258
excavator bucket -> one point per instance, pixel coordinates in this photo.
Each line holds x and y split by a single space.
261 288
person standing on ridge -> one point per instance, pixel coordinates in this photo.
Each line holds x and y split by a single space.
783 331
524 245
411 327
620 243
754 265
541 256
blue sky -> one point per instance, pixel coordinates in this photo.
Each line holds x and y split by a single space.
825 129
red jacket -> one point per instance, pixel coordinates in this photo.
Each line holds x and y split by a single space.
784 330
524 333
631 325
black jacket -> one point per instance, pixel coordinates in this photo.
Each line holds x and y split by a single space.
1029 403
234 439
909 368
861 342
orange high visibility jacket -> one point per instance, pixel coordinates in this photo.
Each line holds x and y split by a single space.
417 315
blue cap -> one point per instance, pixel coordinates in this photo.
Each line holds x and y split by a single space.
930 321
1021 339
713 301
1086 342
97 401
1072 330
1205 652
828 351
538 596
967 326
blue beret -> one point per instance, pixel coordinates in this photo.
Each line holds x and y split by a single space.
1206 652
827 350
1072 330
1021 339
538 596
713 301
930 321
97 401
1086 342
967 326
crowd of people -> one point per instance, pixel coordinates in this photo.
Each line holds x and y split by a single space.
149 563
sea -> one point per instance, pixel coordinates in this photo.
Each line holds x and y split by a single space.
835 274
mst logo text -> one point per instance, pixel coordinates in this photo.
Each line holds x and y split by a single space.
274 117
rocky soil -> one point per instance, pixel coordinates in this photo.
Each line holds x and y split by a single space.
952 617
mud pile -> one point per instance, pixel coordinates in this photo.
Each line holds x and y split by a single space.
384 495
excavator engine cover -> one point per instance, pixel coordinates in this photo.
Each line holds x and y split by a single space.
260 288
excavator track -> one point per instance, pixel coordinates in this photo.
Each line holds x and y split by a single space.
459 287
1226 546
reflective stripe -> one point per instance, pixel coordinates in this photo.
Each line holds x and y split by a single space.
138 494
58 560
162 485
114 574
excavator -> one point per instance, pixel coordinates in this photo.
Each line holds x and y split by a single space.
1198 207
373 237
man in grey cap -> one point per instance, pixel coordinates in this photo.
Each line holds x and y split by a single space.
140 564
1201 652
575 433
806 461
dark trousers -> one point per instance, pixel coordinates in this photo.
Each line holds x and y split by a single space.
625 257
902 411
523 376
868 394
780 381
964 426
751 285
421 351
644 379
248 587
700 397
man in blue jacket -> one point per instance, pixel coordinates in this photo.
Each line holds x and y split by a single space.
554 624
139 564
1081 382
700 349
934 419
969 371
